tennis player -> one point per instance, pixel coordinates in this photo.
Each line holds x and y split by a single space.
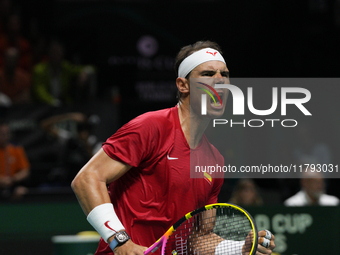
139 183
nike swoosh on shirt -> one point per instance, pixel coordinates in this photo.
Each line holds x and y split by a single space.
170 158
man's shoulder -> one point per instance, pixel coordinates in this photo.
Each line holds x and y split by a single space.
296 200
154 124
329 200
163 113
155 118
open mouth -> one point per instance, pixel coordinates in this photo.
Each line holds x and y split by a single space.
215 97
216 101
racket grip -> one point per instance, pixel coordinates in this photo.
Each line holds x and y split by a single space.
153 248
149 250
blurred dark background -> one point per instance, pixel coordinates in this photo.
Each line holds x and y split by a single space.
127 49
130 47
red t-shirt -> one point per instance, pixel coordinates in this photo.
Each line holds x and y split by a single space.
157 191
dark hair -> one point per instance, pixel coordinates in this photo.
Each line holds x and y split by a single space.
241 185
190 49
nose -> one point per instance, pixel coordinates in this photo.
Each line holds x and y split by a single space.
218 74
218 78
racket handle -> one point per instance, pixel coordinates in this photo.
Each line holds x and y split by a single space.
153 248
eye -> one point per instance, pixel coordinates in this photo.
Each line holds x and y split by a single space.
208 73
225 74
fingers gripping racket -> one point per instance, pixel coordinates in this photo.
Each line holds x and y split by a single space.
215 229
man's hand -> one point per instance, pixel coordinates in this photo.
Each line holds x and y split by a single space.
261 250
248 243
129 248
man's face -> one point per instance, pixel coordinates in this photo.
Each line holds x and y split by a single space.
248 194
314 187
209 73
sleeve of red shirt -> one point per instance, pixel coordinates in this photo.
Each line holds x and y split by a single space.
215 191
132 143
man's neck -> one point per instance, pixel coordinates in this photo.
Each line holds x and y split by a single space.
311 200
193 126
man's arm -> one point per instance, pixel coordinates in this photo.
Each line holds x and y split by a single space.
202 234
89 185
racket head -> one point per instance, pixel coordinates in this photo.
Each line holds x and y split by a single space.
226 226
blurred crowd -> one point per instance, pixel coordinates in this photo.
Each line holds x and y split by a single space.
36 76
33 68
310 189
47 150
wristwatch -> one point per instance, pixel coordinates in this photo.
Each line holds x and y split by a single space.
121 237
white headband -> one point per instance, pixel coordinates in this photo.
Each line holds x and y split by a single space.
197 58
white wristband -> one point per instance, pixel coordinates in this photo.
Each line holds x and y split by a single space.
229 247
104 219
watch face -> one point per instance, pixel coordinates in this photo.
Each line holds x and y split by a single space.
122 236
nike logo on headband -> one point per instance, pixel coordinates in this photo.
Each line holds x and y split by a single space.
197 58
212 53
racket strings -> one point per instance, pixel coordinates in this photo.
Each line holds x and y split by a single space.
215 231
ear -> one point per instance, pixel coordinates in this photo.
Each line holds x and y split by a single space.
183 85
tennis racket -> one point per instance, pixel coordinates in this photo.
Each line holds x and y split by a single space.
213 229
